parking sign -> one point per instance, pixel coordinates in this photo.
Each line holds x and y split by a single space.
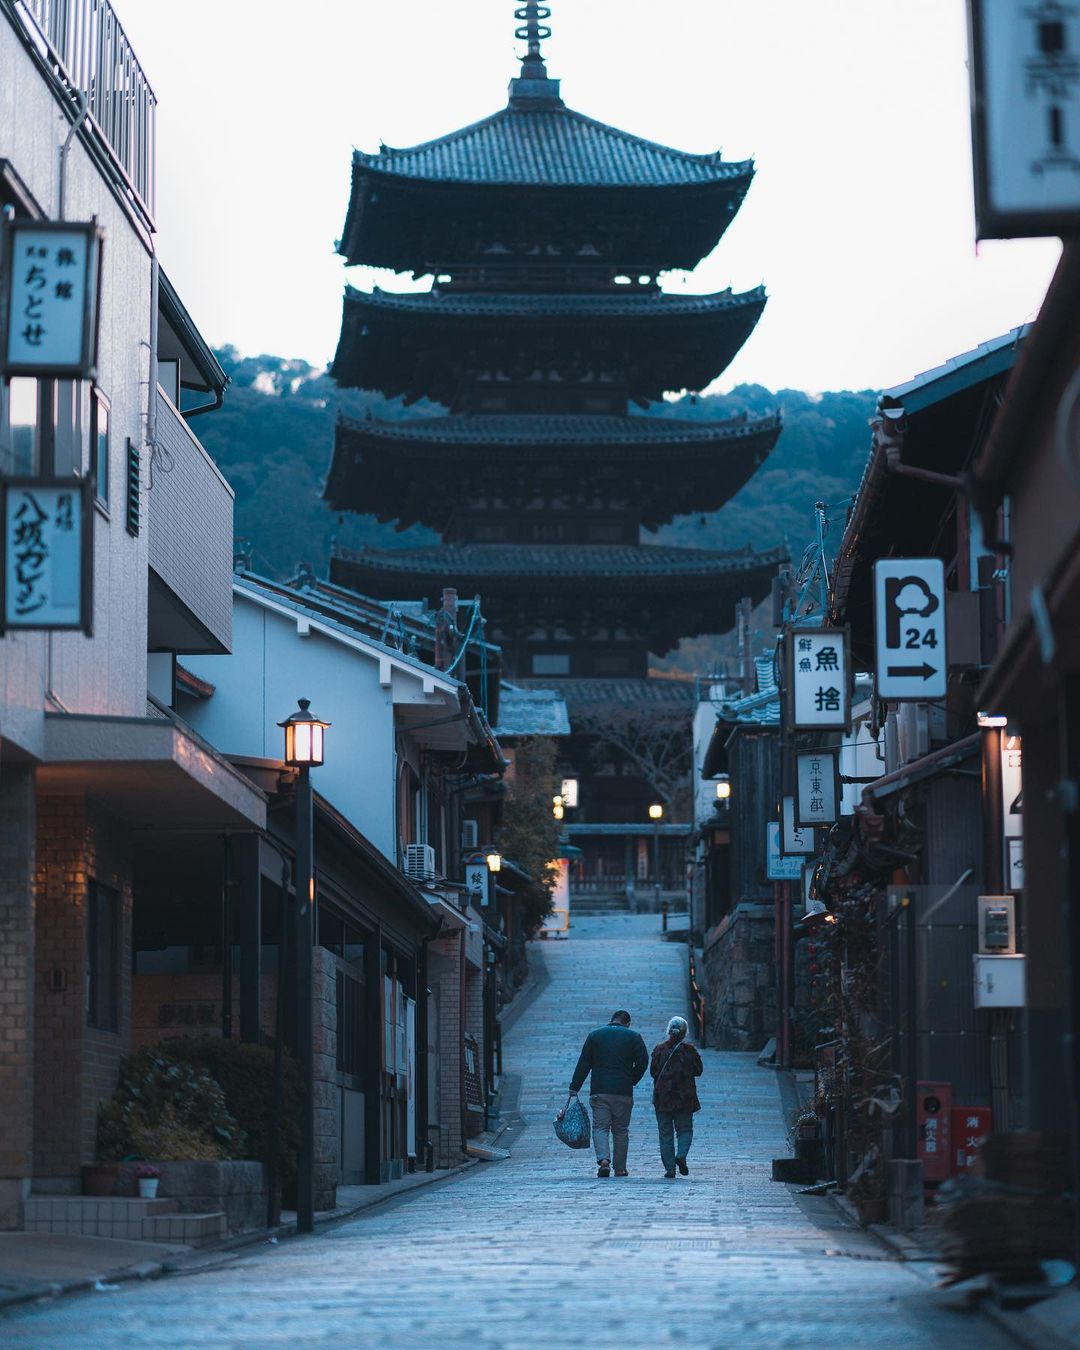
909 628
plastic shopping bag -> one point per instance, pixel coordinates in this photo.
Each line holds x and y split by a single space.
572 1125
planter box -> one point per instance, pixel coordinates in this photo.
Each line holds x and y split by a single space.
238 1189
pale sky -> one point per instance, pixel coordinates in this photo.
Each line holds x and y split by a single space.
859 220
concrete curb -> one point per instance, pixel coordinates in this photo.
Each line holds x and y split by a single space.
214 1254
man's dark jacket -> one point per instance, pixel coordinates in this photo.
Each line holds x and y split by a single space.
617 1059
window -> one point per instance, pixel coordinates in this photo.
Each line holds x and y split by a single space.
20 434
551 663
102 957
99 445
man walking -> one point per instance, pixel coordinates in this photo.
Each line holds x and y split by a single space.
617 1059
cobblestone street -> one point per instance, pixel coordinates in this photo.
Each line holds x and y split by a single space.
536 1251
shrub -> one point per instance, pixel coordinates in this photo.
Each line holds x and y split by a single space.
246 1075
169 1109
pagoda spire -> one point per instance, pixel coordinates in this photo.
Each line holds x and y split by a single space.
533 84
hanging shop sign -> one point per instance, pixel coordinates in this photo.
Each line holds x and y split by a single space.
909 629
1025 104
779 867
476 881
818 666
49 299
817 787
794 838
46 567
1012 809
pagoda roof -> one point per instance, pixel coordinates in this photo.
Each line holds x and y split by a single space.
550 145
418 469
635 565
428 344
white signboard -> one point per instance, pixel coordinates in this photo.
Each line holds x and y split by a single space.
793 838
45 579
909 629
777 866
1025 75
819 677
1012 808
817 784
50 299
476 881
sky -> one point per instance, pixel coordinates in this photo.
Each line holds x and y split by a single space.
859 221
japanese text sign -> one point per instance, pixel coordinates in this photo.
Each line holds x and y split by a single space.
819 678
794 838
1025 93
909 629
50 299
777 866
817 787
476 880
45 580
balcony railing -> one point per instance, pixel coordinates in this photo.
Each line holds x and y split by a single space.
90 53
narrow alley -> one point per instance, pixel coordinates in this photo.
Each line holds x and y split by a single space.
536 1250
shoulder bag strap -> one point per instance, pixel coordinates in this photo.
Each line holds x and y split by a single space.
666 1063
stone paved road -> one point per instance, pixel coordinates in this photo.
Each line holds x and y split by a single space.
537 1252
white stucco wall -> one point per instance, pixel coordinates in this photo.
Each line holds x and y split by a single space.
271 666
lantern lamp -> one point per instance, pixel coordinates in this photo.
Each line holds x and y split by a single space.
723 789
494 862
569 792
304 737
656 811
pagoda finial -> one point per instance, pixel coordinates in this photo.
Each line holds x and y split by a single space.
533 82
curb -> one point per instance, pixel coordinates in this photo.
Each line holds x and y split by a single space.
199 1257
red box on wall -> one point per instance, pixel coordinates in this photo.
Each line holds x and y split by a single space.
933 1117
970 1126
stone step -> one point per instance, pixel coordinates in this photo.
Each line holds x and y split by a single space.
95 1216
195 1230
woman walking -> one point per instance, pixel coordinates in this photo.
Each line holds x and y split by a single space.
675 1067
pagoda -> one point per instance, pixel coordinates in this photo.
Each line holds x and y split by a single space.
549 343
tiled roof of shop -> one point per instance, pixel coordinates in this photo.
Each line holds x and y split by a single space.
550 146
532 712
543 305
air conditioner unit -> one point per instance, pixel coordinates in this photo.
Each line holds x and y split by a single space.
419 862
470 834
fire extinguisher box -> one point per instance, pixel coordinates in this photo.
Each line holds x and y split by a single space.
970 1126
933 1118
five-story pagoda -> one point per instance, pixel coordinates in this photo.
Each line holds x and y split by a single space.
546 338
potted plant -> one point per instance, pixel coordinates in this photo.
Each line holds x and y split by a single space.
99 1178
147 1176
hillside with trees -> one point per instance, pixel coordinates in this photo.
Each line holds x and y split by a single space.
273 438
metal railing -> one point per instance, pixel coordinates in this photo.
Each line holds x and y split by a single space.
87 47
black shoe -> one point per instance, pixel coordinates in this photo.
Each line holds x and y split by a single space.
670 1176
680 1163
603 1168
622 1174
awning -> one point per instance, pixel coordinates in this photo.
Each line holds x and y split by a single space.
149 771
938 761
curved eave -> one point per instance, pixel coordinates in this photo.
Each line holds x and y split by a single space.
378 468
426 345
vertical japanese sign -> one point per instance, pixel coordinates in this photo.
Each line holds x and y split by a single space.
794 838
476 881
909 629
49 299
1012 810
1025 104
819 678
817 787
45 578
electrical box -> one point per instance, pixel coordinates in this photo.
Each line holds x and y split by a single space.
997 925
1000 981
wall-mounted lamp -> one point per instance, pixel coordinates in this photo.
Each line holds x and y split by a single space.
991 720
723 788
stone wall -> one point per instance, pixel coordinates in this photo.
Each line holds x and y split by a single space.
16 989
238 1189
327 1088
740 972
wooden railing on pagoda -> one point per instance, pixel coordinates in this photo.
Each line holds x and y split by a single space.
93 60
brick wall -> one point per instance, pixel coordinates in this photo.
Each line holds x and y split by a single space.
327 1088
740 970
75 1065
474 1026
16 988
444 974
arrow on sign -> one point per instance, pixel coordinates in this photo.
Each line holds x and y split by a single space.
911 671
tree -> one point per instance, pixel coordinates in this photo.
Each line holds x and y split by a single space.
654 739
529 834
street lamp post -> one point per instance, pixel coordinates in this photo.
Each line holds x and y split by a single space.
303 752
656 813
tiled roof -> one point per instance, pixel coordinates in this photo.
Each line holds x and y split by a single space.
642 563
550 146
761 708
627 692
543 430
541 305
532 712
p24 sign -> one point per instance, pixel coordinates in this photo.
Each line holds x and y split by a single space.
909 628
